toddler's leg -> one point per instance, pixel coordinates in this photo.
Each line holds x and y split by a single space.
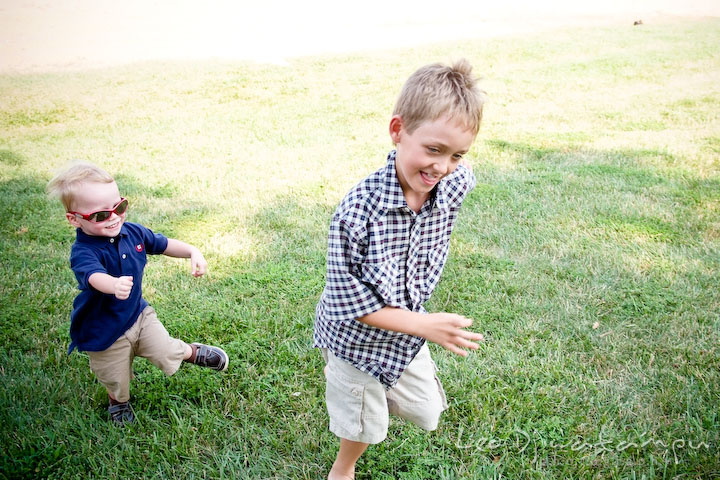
168 353
113 368
154 343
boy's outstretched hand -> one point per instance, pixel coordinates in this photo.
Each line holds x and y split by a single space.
123 287
176 248
447 330
198 264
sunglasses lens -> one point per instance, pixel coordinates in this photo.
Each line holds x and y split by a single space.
122 206
101 216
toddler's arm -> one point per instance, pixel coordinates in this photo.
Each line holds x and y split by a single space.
445 329
118 286
178 249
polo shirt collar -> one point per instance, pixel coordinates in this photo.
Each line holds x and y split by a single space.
83 237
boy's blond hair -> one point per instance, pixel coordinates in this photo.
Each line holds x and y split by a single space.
66 183
436 90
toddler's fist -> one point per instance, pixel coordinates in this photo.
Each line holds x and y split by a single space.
123 287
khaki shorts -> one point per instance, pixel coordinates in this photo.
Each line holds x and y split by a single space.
146 338
358 404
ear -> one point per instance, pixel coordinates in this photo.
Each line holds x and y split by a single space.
397 126
73 220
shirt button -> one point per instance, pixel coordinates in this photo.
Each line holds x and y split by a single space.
356 392
124 256
112 240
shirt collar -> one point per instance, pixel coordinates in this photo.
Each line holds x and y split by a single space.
83 237
393 196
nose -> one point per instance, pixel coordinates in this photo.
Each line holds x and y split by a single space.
441 165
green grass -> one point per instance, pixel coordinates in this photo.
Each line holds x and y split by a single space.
588 255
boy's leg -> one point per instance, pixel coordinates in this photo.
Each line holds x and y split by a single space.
167 353
419 396
358 412
347 457
155 343
113 368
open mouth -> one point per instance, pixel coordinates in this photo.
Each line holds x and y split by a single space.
429 179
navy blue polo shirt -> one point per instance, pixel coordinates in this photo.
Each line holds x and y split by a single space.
98 319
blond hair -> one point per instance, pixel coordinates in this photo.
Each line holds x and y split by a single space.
436 90
66 183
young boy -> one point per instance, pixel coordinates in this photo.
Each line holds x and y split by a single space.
111 321
388 243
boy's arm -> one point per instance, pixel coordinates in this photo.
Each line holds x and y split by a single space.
445 329
90 272
178 249
118 286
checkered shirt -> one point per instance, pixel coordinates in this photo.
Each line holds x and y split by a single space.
380 253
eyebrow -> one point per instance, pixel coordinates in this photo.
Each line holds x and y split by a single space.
446 147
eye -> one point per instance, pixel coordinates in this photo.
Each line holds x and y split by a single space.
433 150
458 157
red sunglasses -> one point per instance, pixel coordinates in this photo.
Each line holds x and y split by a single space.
102 215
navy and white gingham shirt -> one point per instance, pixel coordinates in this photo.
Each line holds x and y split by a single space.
380 253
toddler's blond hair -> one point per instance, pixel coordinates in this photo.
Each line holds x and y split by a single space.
66 183
436 90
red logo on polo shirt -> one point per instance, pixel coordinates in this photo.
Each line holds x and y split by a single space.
139 247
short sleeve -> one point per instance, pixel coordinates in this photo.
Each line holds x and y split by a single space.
346 296
155 243
458 184
84 262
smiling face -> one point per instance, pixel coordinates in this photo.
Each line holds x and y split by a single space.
92 197
427 155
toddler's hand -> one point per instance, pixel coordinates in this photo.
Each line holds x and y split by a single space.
123 287
446 329
198 264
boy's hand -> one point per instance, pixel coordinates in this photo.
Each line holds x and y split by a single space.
198 264
446 329
123 287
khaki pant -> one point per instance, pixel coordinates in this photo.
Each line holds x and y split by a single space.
147 338
359 405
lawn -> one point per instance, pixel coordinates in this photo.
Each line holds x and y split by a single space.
588 255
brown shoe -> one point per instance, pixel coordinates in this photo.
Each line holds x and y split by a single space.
211 357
